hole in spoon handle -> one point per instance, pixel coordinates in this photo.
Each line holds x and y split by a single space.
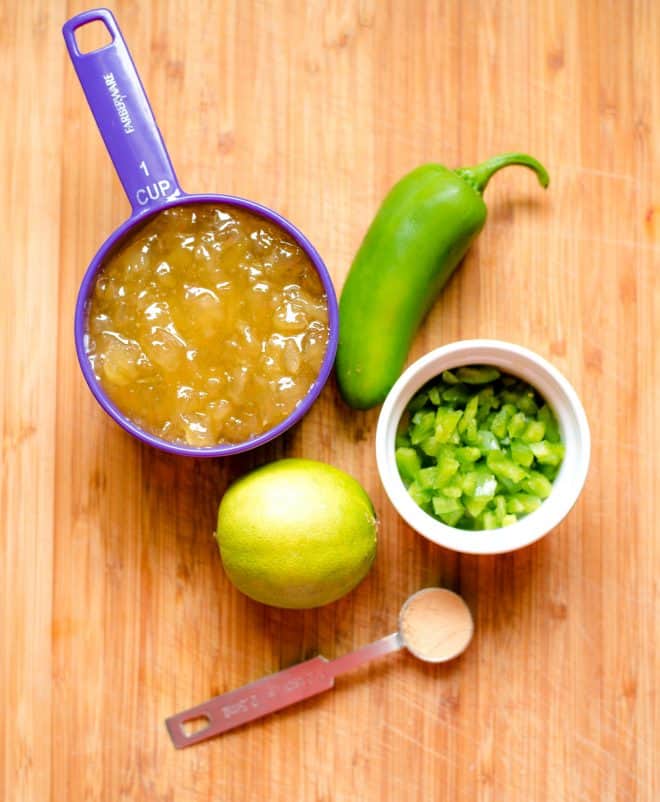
232 709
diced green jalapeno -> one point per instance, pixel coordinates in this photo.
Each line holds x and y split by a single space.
421 497
504 467
548 453
446 421
487 401
486 485
489 520
507 485
443 504
515 506
500 420
423 425
478 449
470 414
487 441
475 506
522 503
426 477
434 395
457 394
408 462
516 425
551 426
467 454
447 467
471 435
468 482
451 518
538 485
478 374
417 402
549 471
521 453
534 432
430 446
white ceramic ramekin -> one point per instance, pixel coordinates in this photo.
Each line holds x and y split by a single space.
554 388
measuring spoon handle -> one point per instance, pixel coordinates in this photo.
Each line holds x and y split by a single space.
352 660
252 701
232 709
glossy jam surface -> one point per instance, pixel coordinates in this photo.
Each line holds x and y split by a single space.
208 325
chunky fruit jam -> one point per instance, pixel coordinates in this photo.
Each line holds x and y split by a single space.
208 325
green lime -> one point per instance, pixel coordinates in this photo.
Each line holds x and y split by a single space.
296 533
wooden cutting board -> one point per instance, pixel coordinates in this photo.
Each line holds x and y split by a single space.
114 610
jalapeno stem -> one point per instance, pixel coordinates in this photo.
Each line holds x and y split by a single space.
479 175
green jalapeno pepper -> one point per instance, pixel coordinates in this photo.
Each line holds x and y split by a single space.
423 229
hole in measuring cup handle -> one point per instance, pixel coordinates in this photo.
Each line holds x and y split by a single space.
93 36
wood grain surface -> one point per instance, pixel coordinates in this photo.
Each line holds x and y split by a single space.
114 609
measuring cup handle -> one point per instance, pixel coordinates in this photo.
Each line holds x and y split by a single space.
120 106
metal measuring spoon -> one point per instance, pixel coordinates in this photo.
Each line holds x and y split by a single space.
435 625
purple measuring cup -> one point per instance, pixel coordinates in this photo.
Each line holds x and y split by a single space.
124 117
